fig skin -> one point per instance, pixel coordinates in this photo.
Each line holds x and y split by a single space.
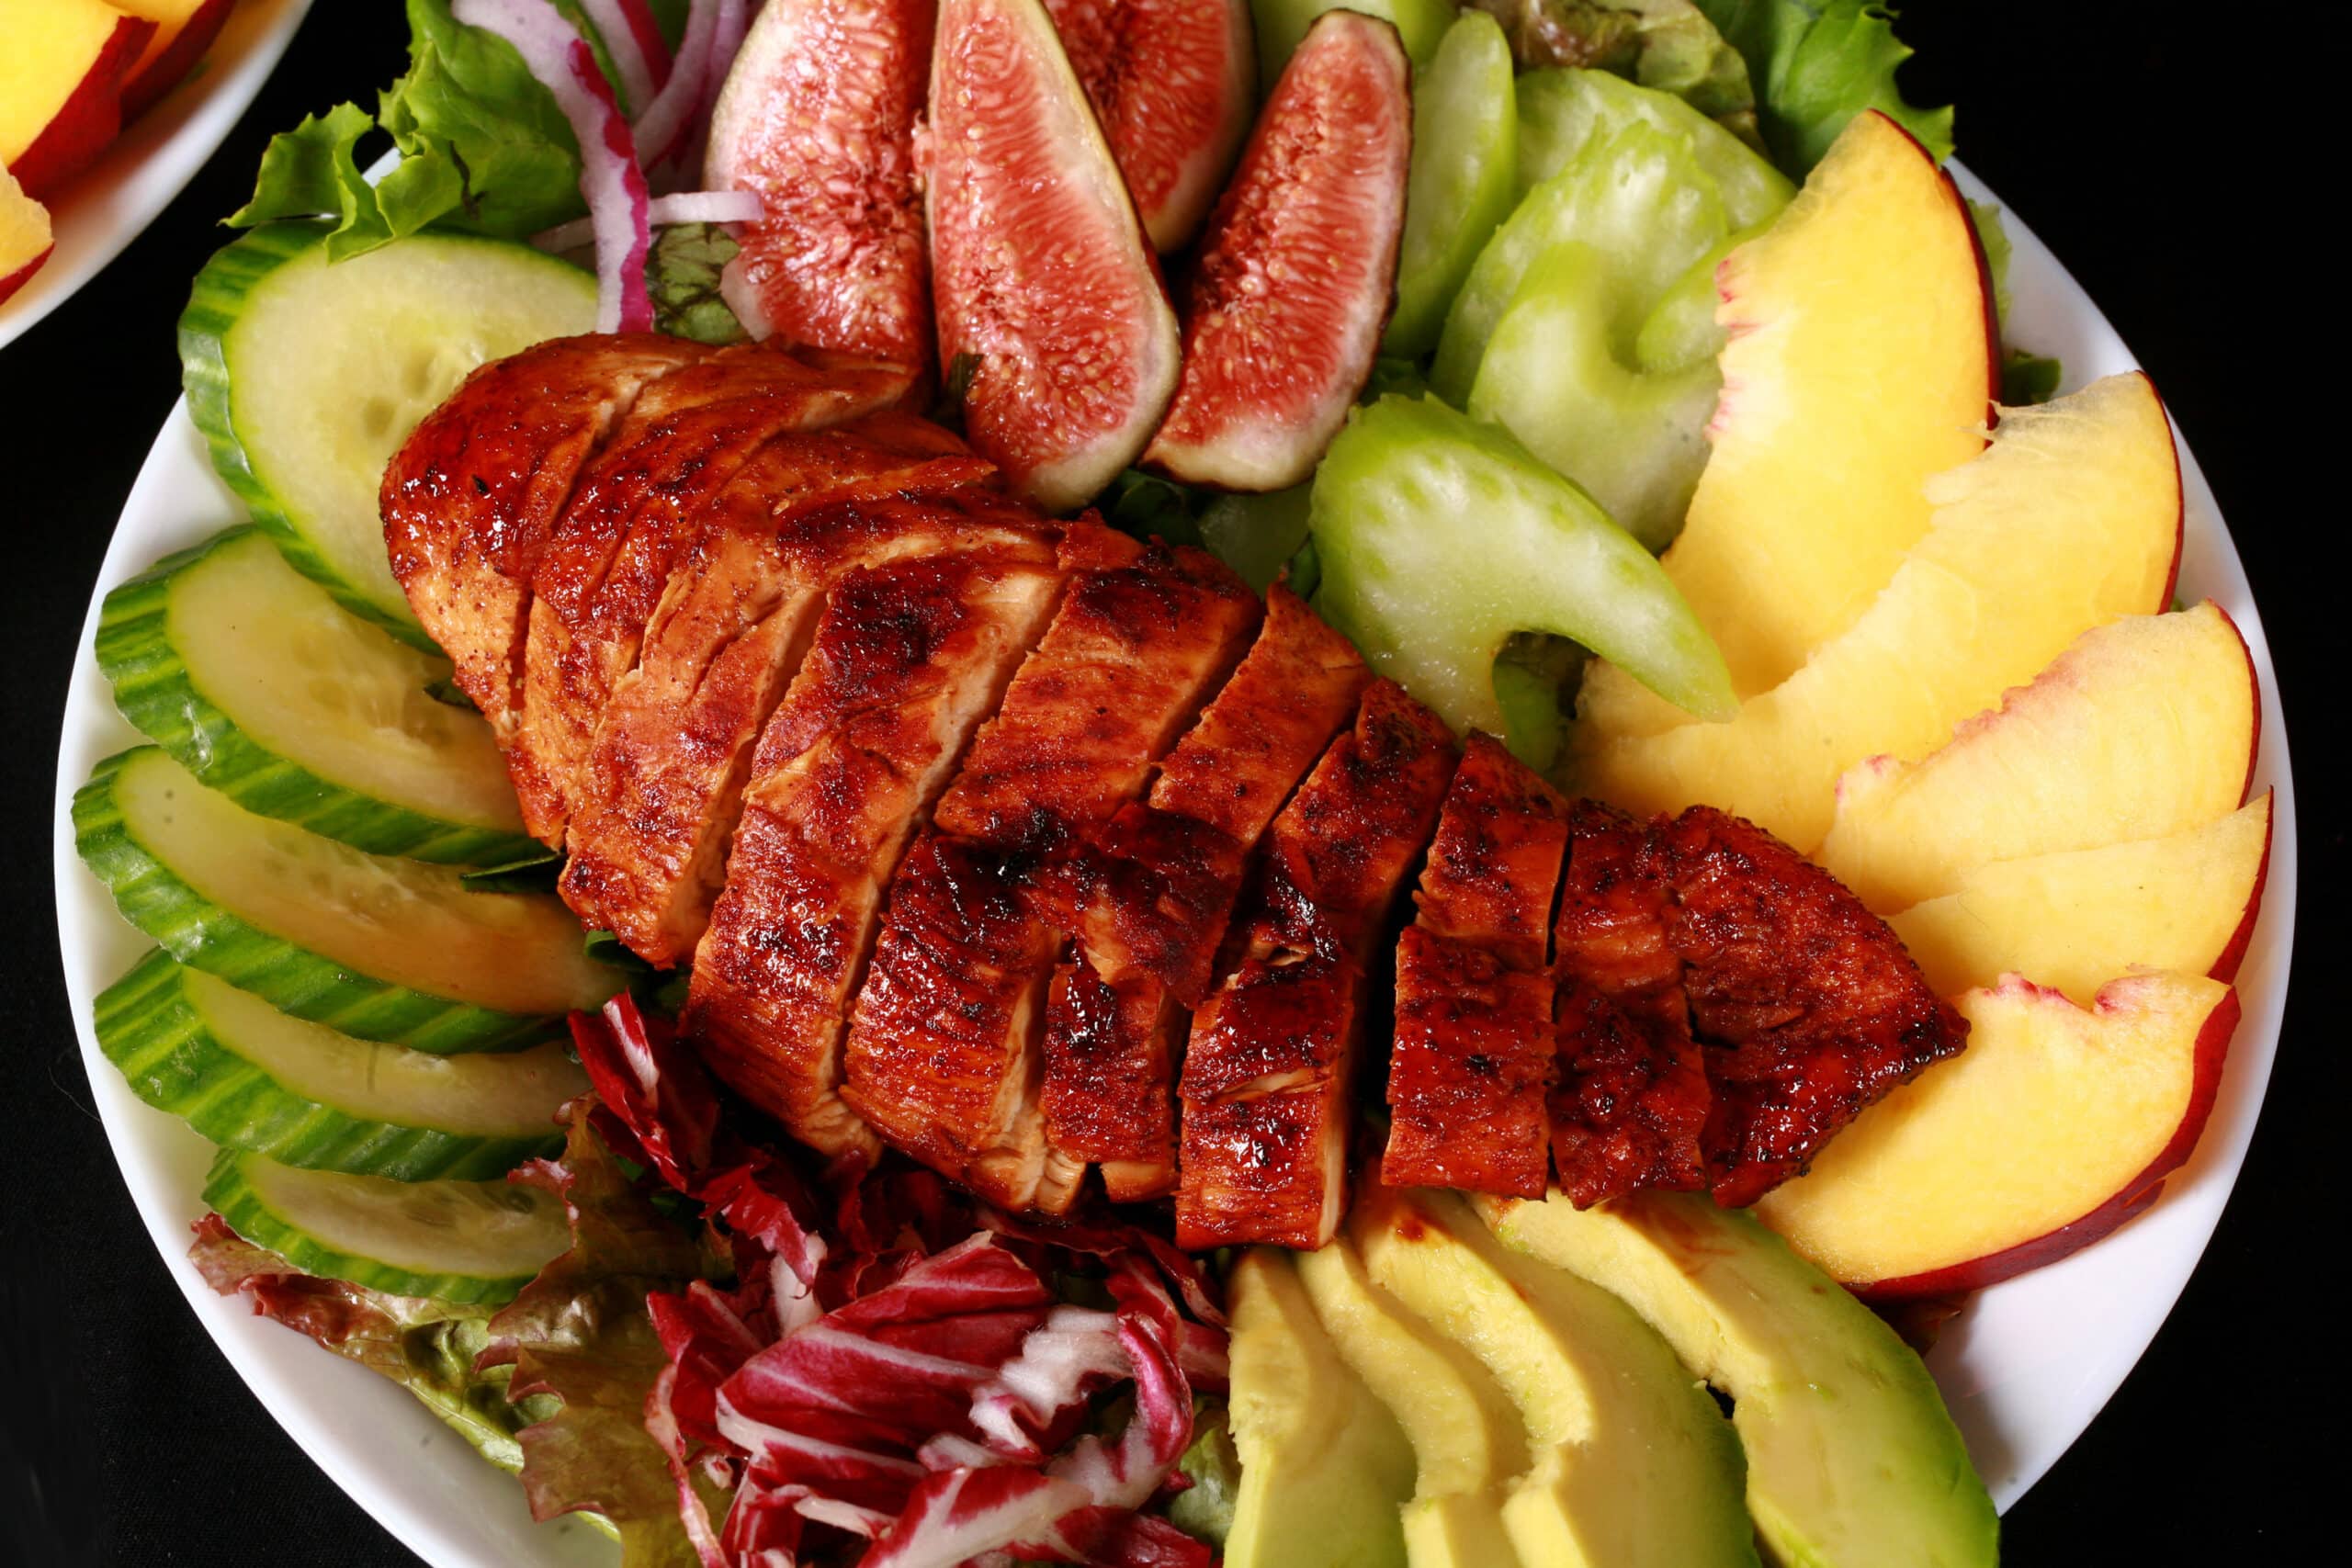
1054 326
818 116
1286 302
1174 83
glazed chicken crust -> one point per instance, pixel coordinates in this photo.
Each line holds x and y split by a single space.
1028 849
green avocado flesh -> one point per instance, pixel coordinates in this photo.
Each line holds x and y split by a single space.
1632 1465
1324 1468
1852 1460
1468 1438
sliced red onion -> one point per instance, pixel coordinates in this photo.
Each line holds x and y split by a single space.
666 128
627 46
610 180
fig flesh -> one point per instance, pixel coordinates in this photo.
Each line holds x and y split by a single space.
1174 83
1286 302
818 117
1052 321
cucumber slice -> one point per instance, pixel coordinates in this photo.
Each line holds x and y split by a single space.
1561 112
249 1076
384 949
255 681
1440 536
455 1241
1463 178
306 378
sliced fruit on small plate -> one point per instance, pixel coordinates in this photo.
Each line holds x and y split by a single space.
173 122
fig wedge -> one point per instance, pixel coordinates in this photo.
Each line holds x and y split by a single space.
818 116
1053 323
1284 308
1174 83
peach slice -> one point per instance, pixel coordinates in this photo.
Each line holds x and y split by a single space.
183 30
60 85
2053 1127
1862 359
2075 919
2143 728
25 237
2069 520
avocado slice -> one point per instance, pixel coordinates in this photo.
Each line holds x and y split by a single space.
1634 1466
1324 1468
1852 1458
1466 1436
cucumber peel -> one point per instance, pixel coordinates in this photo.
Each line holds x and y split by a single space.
452 1241
305 378
1438 536
386 950
254 680
251 1077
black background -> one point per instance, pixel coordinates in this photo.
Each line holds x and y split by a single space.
2176 167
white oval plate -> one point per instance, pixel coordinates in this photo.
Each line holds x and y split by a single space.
2025 1367
111 203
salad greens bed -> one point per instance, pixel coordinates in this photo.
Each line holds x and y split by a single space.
617 1325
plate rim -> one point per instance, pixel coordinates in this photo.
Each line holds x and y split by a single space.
2154 1254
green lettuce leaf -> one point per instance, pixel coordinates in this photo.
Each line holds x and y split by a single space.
682 275
579 1335
482 147
1205 1509
2026 378
1667 44
1819 63
426 1347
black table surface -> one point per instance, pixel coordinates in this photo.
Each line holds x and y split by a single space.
2171 169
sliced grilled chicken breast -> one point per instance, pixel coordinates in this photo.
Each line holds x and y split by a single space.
1267 1079
471 496
1473 1052
1155 891
663 782
908 659
945 1057
1628 1105
634 513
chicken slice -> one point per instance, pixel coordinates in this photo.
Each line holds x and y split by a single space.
663 782
944 1054
1157 888
1268 1078
1474 1051
1629 1108
1811 1009
907 661
471 496
634 512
